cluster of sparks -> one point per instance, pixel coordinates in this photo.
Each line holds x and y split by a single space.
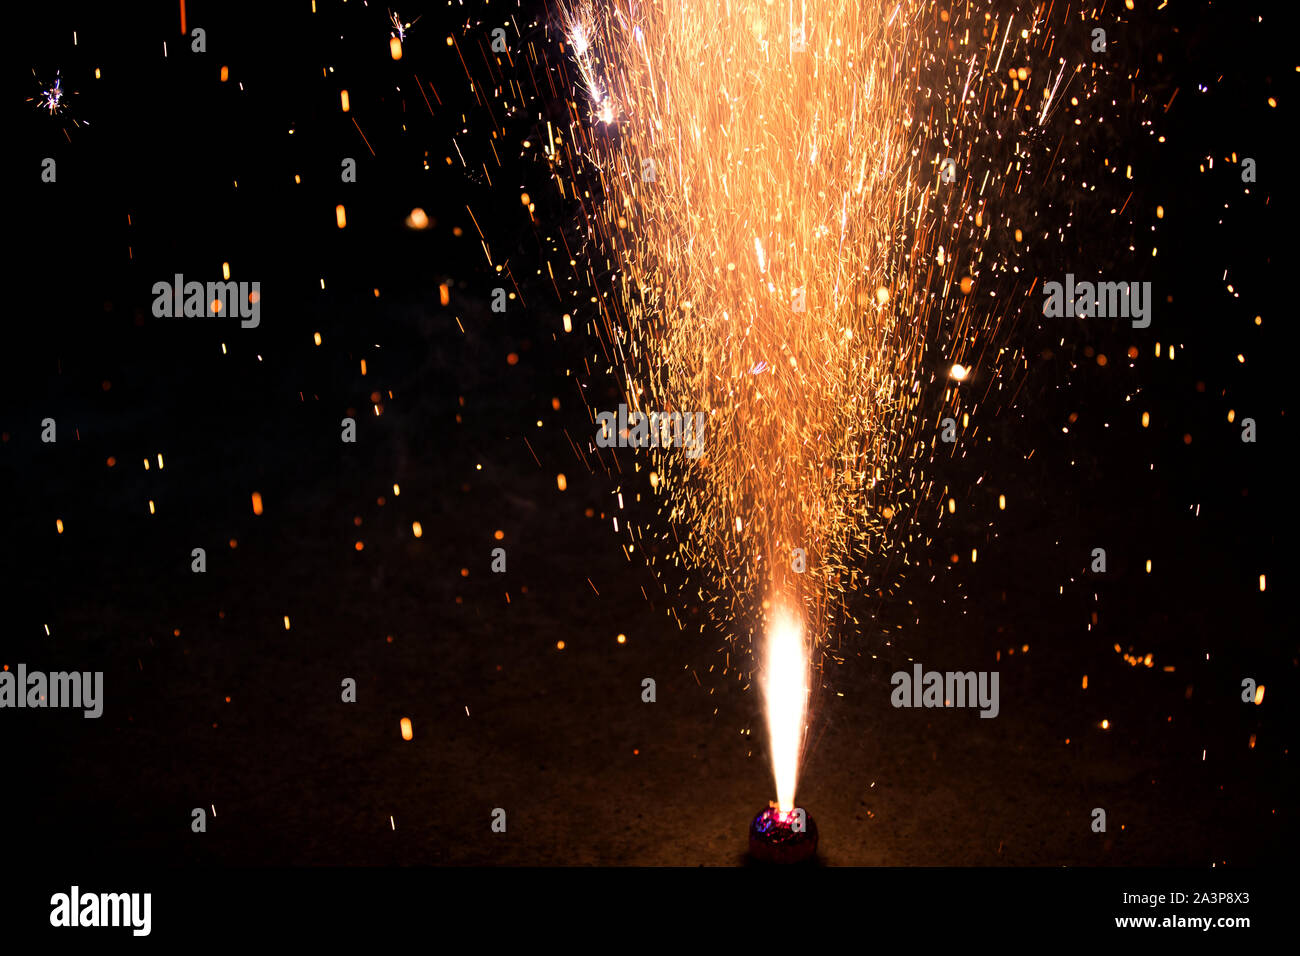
791 204
753 204
52 99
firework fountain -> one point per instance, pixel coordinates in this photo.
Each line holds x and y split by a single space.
791 221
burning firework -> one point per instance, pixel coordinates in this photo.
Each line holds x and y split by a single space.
797 222
754 201
775 228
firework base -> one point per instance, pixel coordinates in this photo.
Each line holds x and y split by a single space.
780 838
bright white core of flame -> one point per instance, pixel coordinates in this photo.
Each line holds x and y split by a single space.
785 694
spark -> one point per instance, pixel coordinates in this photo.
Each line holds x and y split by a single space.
52 98
400 28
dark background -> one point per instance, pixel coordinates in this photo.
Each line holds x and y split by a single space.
502 718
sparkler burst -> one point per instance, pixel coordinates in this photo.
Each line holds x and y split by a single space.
51 96
753 198
54 99
399 26
794 254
